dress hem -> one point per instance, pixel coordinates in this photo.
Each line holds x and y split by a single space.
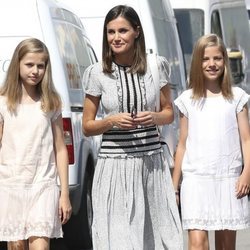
217 228
15 238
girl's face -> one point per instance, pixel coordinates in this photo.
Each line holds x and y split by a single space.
32 68
213 64
121 36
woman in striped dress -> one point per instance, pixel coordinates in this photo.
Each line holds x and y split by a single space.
133 198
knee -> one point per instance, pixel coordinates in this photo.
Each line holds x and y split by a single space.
198 244
17 245
39 243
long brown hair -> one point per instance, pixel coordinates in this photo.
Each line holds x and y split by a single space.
140 62
12 87
196 79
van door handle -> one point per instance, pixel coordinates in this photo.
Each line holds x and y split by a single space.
76 109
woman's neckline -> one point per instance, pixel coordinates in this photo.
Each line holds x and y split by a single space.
122 65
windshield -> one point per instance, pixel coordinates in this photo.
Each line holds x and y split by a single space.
190 23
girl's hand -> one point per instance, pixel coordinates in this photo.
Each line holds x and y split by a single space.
123 120
242 186
144 118
65 209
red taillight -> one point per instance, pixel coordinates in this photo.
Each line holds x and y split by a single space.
68 139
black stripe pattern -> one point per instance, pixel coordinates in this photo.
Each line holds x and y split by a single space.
131 95
131 90
134 141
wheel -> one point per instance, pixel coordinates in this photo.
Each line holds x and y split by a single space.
77 231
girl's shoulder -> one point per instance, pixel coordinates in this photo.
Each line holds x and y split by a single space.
183 101
186 94
238 92
240 98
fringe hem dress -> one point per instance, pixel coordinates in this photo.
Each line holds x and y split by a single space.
29 193
134 205
212 163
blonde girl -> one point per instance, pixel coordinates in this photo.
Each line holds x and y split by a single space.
213 144
32 152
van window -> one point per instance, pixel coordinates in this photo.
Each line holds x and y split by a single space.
233 33
215 24
237 39
190 23
73 49
92 53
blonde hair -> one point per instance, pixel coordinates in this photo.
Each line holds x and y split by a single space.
196 79
12 87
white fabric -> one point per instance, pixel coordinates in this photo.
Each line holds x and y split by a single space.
212 163
29 191
134 205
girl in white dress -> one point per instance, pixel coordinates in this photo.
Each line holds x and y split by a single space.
134 206
214 142
32 152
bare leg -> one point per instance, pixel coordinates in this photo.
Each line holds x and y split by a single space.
198 240
39 243
17 245
225 240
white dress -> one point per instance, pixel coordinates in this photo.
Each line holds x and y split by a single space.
29 193
134 205
212 163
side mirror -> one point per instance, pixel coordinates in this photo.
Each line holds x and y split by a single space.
235 60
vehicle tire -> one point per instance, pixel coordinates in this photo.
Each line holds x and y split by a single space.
77 231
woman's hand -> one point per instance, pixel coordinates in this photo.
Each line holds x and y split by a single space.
144 118
65 209
123 120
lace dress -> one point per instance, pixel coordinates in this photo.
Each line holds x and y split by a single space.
134 204
29 193
212 163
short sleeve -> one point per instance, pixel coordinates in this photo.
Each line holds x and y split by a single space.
55 114
242 99
164 70
3 108
91 80
180 103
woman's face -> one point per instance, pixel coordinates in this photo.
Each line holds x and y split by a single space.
213 64
121 36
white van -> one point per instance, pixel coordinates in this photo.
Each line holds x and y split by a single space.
71 53
161 37
226 18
